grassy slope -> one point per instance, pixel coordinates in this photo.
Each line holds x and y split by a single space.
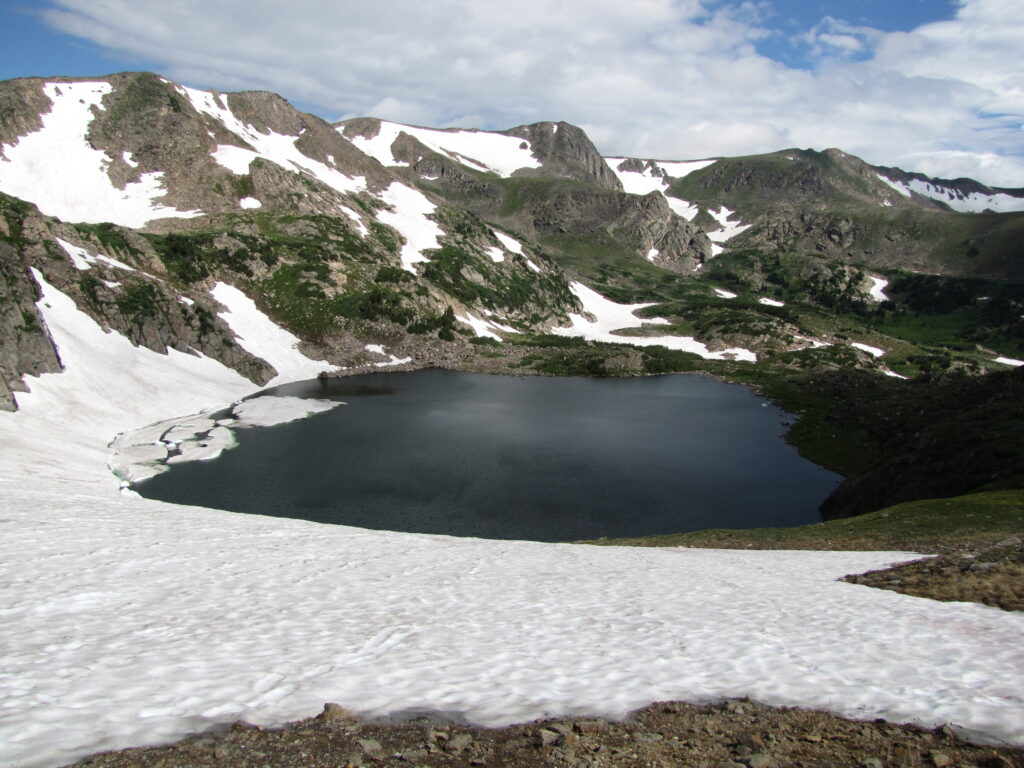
930 525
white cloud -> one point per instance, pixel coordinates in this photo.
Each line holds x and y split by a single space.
675 79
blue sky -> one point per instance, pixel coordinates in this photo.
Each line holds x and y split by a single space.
929 85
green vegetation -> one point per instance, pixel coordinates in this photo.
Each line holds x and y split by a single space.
928 525
137 301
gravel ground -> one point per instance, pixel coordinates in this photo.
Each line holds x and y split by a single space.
730 734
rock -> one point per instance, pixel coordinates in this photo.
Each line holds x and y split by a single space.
590 726
1012 541
759 760
458 744
814 738
948 732
414 755
752 740
730 764
871 762
941 759
548 738
336 713
372 748
648 738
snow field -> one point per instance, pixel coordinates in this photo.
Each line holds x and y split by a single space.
410 209
611 317
486 151
132 622
57 169
1009 361
258 335
975 202
277 148
648 181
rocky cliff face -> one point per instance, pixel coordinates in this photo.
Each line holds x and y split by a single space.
565 152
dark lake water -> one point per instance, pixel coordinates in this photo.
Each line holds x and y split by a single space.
548 459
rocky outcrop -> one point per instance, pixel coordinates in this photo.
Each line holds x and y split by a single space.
565 151
26 348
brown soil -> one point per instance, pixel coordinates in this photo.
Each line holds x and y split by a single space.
731 734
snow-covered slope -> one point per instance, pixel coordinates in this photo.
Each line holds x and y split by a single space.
957 199
128 621
482 150
57 169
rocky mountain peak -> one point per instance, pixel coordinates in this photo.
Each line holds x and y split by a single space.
565 150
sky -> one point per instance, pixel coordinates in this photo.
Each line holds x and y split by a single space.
935 86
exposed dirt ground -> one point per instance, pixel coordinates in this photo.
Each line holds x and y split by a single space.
731 734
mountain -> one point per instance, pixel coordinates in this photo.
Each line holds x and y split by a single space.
163 212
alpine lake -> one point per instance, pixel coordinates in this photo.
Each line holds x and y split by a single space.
501 457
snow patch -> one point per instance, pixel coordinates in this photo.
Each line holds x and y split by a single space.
509 243
877 289
57 169
1009 361
480 327
493 152
653 254
496 254
360 226
250 202
532 266
972 202
649 180
681 168
258 335
728 228
638 183
724 294
897 185
682 208
377 349
610 317
771 302
873 351
274 147
83 259
409 217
